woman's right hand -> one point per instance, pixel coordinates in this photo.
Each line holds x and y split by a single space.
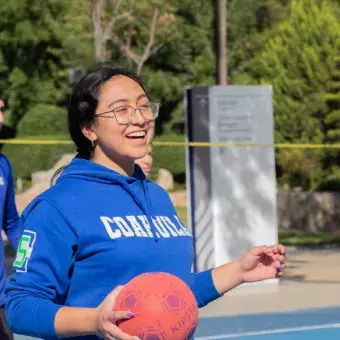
106 318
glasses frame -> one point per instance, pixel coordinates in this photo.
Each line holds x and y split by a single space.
113 111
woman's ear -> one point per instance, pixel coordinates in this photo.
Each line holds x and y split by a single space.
88 132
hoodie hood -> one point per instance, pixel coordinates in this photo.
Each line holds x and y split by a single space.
94 172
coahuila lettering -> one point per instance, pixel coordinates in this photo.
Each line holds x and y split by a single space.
139 226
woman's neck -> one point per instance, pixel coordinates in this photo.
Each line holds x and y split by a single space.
123 166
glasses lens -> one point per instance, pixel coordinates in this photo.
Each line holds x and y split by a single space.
150 110
124 114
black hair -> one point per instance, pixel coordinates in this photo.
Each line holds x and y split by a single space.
83 104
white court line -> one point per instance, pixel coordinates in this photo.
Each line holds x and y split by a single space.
269 331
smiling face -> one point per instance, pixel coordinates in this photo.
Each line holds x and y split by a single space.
116 143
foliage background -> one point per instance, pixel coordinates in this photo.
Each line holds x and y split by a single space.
291 44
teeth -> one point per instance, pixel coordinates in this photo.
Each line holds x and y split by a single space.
137 134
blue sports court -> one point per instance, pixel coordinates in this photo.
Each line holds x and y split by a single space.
311 324
306 324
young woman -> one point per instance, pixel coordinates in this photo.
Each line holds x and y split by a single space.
103 223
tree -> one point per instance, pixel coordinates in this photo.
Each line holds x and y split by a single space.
332 98
299 61
135 27
188 59
35 52
332 120
249 30
185 55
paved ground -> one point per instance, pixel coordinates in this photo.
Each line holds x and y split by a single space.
311 279
305 304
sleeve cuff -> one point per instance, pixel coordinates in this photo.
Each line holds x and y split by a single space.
204 288
44 321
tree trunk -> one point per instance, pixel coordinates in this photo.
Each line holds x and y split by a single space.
222 63
99 42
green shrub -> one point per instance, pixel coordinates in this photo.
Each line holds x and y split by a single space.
43 119
27 158
293 237
171 158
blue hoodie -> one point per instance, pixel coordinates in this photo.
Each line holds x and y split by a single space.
94 230
8 218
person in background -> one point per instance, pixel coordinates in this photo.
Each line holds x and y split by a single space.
8 223
146 162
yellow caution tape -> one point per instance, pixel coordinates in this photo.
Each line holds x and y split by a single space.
208 144
34 141
197 144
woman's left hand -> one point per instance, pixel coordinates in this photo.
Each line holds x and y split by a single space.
263 263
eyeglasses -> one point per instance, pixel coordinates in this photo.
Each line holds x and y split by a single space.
2 108
125 114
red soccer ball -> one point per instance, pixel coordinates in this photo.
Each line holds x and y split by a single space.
164 306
